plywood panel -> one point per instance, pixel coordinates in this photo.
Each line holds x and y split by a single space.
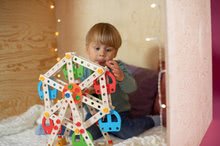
26 40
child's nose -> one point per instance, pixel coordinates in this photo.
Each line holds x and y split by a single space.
102 53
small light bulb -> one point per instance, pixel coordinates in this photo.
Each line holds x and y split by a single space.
163 105
52 6
56 33
58 20
58 58
55 49
58 75
150 39
153 5
147 39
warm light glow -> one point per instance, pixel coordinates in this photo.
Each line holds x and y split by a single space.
150 39
52 6
147 39
58 75
55 49
58 58
153 5
56 33
163 105
58 20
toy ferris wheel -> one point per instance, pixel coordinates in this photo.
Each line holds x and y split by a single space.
74 97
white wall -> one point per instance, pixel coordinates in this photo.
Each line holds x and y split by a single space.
134 20
189 66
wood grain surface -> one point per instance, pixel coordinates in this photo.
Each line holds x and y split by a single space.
26 40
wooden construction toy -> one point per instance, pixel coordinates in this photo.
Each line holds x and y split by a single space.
71 95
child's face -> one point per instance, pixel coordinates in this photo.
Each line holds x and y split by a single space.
100 53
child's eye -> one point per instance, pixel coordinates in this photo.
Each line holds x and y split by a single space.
108 49
97 49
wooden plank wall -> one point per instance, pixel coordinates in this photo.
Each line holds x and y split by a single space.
26 40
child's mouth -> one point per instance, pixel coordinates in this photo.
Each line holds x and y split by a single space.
101 62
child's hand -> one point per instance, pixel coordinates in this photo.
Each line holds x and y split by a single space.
116 70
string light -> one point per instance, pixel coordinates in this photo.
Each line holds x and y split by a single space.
153 5
163 106
161 71
57 33
150 39
58 58
52 6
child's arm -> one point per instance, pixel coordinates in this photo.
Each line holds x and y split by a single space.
124 78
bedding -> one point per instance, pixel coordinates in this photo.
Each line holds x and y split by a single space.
20 131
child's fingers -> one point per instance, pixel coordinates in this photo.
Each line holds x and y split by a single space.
116 71
112 64
119 75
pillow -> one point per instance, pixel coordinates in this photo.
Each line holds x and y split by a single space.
142 100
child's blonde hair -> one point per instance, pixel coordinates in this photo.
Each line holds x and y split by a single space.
104 33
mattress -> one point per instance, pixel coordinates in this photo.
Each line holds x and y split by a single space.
20 131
